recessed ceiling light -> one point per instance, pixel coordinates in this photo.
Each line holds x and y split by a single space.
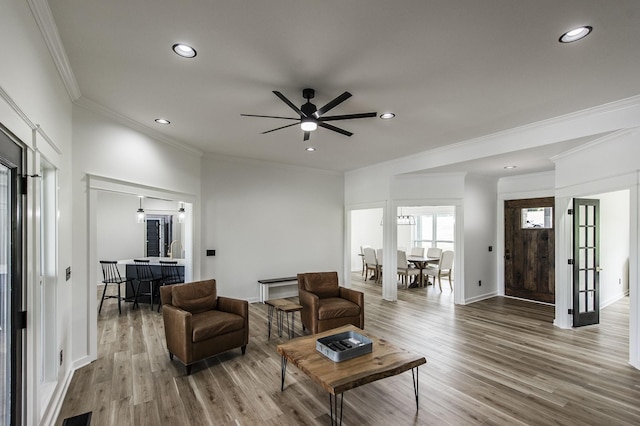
162 121
310 149
575 34
510 167
387 115
184 50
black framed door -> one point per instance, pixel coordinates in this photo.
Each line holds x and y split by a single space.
153 237
586 262
11 249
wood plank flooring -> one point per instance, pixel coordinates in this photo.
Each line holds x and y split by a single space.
494 362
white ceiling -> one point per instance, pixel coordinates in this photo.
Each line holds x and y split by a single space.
451 70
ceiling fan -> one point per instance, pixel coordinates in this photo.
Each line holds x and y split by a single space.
311 117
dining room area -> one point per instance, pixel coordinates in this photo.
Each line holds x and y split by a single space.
425 244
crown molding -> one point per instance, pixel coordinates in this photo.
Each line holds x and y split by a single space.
512 134
99 109
14 106
47 25
606 138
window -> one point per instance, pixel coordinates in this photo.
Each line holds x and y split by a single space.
537 217
435 230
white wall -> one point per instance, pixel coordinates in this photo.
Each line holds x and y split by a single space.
118 234
365 230
614 246
480 212
268 220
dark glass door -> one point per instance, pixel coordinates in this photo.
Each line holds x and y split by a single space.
586 262
10 280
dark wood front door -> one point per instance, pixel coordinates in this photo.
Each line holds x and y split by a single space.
530 249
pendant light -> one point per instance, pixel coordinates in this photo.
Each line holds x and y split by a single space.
181 213
140 213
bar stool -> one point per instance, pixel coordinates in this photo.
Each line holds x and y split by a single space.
111 275
145 275
170 274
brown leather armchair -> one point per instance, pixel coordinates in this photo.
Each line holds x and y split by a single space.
326 305
198 324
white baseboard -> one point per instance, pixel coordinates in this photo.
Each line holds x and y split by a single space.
480 297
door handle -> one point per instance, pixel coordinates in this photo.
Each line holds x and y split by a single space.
598 269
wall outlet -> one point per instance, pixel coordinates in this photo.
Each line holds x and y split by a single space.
619 281
479 283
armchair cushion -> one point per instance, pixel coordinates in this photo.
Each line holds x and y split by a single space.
195 299
336 307
214 323
322 284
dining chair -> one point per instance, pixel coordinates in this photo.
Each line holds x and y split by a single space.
417 251
379 266
434 253
111 275
404 271
145 275
444 268
364 262
370 262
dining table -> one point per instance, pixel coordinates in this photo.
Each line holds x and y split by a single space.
421 263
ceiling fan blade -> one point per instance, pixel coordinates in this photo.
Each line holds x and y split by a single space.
332 104
288 102
269 116
348 116
283 127
334 128
306 136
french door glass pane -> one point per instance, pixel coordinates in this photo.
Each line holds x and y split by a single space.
5 297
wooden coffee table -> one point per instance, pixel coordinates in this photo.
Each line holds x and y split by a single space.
385 360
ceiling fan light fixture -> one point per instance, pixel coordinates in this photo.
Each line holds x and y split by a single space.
308 125
575 34
184 50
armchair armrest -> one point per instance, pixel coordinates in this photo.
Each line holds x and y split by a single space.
354 296
233 306
238 307
310 305
178 331
308 299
